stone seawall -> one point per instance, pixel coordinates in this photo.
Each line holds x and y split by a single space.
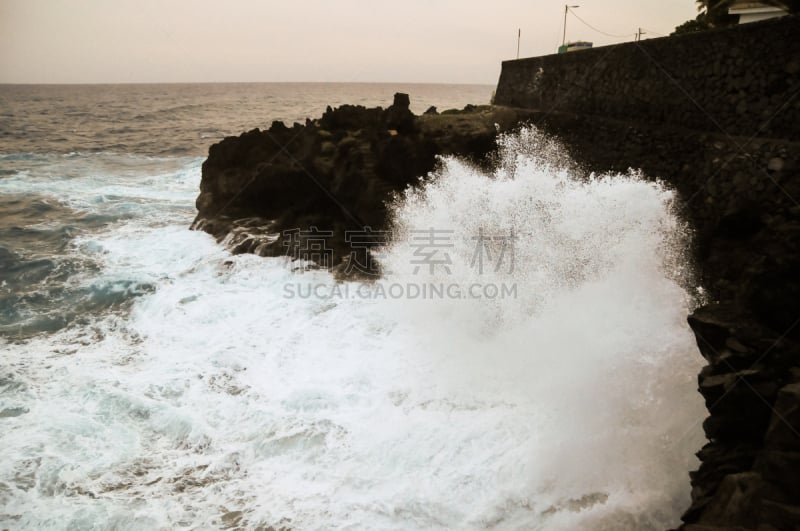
736 80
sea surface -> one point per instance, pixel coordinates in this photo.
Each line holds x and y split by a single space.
151 380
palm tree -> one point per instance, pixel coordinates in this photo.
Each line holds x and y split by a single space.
714 13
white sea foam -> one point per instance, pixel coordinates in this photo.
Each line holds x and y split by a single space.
93 182
572 406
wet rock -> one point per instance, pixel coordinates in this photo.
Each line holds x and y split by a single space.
784 428
300 191
779 515
740 225
780 467
774 296
737 501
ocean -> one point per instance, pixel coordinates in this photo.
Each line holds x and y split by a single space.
149 379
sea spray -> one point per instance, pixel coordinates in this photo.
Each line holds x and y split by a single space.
215 398
594 346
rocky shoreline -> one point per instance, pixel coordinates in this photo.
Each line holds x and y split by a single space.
337 172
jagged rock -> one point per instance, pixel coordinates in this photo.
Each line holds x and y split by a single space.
399 117
774 296
754 457
737 501
716 326
779 515
740 225
784 428
307 186
780 467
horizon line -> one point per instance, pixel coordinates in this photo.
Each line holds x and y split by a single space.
82 83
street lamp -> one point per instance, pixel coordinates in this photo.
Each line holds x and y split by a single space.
566 10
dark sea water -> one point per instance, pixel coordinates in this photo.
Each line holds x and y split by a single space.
151 380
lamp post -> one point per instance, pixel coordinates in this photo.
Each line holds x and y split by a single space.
566 10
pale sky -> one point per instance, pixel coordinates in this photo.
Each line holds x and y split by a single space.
436 41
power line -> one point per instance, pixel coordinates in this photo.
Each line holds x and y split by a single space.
598 30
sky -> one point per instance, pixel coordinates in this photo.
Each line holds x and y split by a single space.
426 41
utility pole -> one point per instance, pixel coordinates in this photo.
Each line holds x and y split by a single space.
639 34
566 10
519 36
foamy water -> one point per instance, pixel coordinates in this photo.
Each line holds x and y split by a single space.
213 399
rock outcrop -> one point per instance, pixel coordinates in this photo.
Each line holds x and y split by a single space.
276 192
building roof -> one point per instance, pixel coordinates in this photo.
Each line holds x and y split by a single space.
749 6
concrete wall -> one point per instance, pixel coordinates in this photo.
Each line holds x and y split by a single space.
742 81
